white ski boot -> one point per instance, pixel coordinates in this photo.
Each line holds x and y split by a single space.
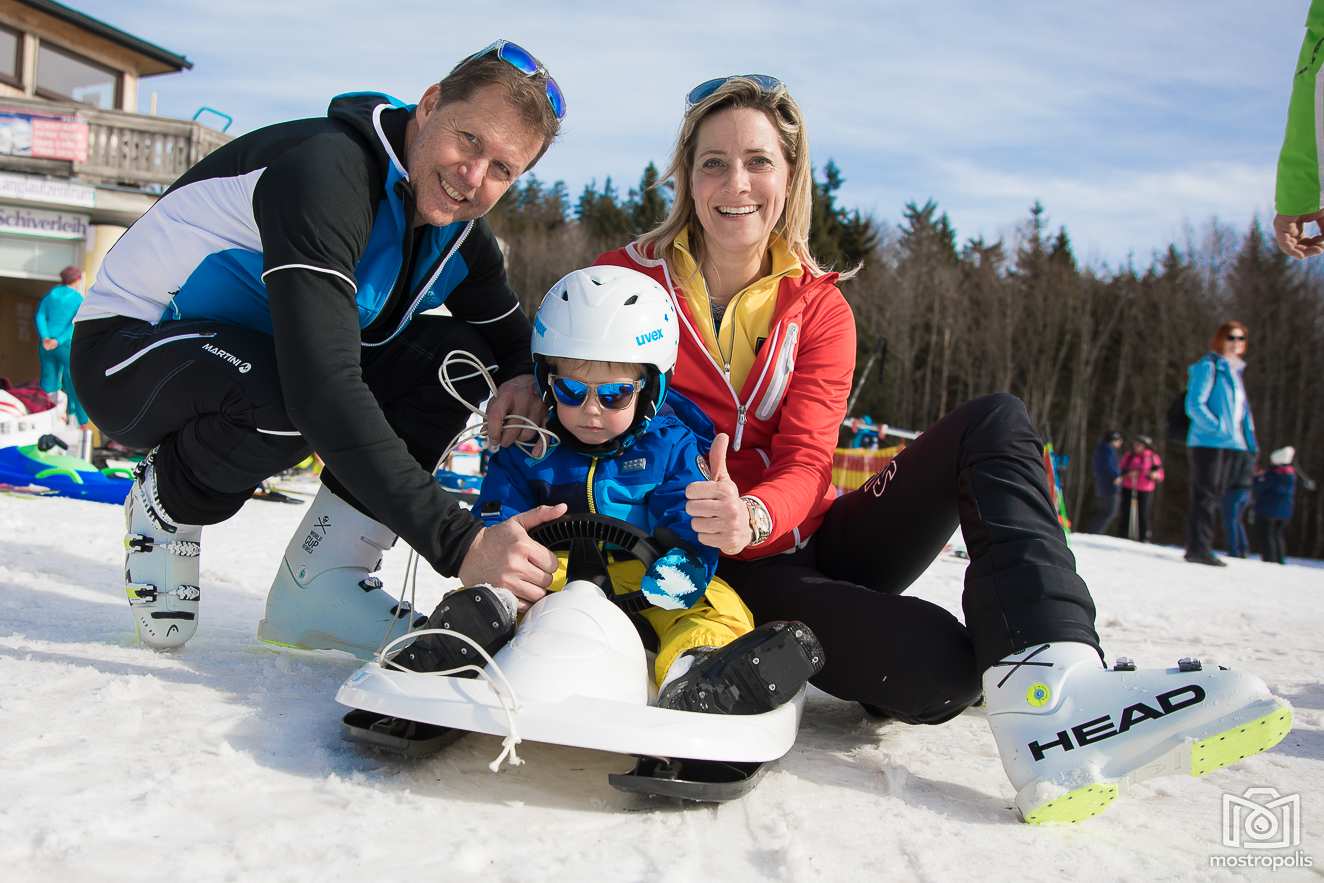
1070 731
161 565
324 596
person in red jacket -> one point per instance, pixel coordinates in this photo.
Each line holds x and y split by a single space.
1142 471
768 352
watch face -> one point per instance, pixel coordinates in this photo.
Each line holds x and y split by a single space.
760 521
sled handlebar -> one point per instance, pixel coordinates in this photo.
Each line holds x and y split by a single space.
561 533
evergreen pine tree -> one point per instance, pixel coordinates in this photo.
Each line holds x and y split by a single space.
648 205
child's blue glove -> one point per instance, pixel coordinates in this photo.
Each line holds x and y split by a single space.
675 581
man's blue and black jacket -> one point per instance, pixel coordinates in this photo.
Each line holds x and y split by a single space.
304 230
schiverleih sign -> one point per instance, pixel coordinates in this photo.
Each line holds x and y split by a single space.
37 222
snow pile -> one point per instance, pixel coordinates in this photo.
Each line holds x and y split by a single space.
224 762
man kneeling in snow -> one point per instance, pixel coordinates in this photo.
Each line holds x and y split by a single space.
268 306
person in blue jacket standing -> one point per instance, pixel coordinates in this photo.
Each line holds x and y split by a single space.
1274 489
1107 480
1235 500
55 332
1221 436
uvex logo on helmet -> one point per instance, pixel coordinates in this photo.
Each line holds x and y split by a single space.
648 337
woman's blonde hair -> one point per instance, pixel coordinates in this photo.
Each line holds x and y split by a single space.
781 109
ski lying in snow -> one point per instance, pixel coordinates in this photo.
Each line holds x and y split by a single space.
25 490
293 491
396 735
699 781
275 497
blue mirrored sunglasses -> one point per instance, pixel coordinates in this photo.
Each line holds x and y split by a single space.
765 82
614 396
523 61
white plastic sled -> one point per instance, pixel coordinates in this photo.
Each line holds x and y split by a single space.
575 673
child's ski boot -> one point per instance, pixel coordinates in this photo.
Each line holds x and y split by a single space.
1070 731
483 613
161 564
324 596
757 672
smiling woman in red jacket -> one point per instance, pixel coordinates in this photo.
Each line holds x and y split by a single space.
768 352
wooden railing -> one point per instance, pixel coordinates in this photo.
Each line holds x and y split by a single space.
123 148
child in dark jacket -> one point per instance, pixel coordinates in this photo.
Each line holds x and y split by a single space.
1274 489
605 342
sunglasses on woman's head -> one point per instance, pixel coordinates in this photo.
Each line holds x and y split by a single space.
1236 337
765 82
523 61
614 396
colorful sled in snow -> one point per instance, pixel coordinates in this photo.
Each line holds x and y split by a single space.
459 482
42 465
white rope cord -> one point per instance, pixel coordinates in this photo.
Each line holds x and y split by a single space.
501 689
544 442
546 439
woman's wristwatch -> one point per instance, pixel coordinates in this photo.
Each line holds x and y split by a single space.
760 521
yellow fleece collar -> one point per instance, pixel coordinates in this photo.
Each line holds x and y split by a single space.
749 314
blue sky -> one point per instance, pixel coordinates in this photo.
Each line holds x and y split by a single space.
1131 121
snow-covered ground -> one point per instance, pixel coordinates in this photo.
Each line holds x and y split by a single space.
225 762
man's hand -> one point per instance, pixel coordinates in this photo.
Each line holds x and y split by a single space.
717 513
504 555
518 395
49 343
1289 231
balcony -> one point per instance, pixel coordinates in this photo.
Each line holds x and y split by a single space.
146 152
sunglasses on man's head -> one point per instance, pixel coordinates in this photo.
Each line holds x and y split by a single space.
765 82
523 61
1236 337
614 396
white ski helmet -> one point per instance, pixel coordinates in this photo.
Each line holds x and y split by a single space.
609 314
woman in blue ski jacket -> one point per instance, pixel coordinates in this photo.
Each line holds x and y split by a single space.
1221 436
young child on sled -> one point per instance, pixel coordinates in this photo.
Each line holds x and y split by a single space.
604 344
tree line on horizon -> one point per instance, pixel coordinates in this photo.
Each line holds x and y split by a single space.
939 321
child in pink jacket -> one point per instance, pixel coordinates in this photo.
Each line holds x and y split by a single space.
1142 470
